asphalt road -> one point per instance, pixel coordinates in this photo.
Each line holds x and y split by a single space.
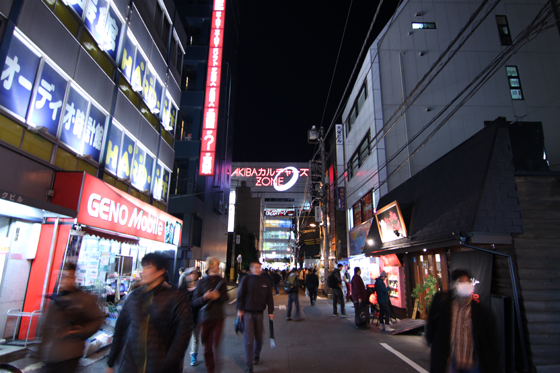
316 342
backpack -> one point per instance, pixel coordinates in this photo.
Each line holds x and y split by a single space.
331 281
289 286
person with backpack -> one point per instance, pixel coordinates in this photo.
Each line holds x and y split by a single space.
334 281
291 286
312 284
360 298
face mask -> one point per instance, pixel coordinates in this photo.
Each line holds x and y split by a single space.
464 289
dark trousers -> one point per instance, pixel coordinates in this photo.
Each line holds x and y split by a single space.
292 298
348 291
312 295
276 288
253 331
66 366
210 333
337 296
384 312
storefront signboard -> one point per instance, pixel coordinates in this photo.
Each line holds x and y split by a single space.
279 212
212 98
390 222
282 179
367 207
101 205
357 211
358 238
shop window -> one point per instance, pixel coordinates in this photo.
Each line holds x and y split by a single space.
358 105
65 160
167 137
67 18
359 157
36 145
10 131
87 167
503 29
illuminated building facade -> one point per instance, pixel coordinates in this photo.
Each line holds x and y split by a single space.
201 178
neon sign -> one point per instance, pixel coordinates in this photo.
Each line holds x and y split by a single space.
212 99
273 177
278 212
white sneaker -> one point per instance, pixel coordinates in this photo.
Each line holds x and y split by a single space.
389 329
381 326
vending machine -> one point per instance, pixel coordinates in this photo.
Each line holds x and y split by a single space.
395 283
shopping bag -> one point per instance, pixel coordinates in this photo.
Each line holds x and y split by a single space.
272 341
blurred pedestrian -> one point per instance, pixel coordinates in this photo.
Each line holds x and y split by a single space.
461 331
292 289
347 282
189 286
384 303
360 298
312 284
242 275
336 286
267 275
154 326
210 295
276 278
253 297
72 317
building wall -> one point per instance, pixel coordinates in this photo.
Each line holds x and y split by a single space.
397 66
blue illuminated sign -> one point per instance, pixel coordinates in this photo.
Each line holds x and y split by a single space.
18 75
104 25
46 106
126 157
93 133
139 173
74 120
149 166
129 49
138 72
77 5
114 138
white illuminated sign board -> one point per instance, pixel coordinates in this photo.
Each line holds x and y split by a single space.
281 179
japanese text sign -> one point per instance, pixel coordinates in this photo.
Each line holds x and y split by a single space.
104 25
46 106
212 98
18 75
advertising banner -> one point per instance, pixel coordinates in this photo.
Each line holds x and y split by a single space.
367 207
358 237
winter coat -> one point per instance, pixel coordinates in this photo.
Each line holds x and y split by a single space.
382 291
72 317
267 275
210 310
157 323
358 289
255 294
277 278
293 280
312 281
438 334
337 276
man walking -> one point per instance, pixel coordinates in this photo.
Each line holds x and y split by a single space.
336 286
154 327
461 331
72 317
253 297
210 295
383 301
292 289
360 298
312 284
276 277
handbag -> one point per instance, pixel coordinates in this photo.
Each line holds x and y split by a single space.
363 312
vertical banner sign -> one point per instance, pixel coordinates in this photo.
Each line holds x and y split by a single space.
341 198
212 99
339 136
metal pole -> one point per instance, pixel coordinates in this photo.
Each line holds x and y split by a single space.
515 300
324 193
49 264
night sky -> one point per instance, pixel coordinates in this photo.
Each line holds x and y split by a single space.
286 59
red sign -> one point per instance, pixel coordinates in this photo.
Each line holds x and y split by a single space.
390 260
212 98
103 206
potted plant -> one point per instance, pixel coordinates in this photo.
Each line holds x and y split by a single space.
426 292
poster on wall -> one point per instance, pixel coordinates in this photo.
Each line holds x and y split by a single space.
367 207
358 237
479 264
390 222
357 211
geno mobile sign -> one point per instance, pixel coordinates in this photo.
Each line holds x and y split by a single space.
281 179
212 99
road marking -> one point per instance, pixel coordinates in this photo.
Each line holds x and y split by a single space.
281 306
33 367
404 358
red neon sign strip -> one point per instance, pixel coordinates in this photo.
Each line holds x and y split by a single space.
212 98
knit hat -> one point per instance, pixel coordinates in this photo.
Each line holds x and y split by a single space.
383 274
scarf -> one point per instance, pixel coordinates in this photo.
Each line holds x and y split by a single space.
461 334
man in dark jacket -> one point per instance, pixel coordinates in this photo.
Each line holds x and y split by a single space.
267 275
154 327
312 284
188 285
253 296
360 298
72 317
461 331
338 296
384 303
293 293
210 295
276 278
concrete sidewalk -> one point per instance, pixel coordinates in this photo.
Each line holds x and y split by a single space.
316 342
